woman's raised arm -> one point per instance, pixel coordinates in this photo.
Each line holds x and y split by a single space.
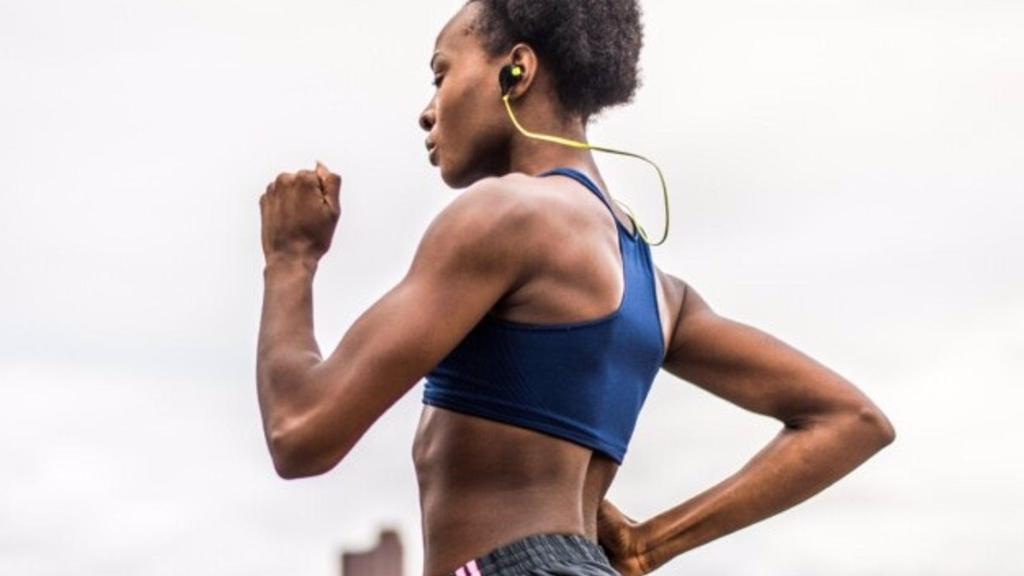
315 410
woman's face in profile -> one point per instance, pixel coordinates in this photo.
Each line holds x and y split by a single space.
466 129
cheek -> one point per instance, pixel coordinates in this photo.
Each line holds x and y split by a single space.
469 128
454 107
456 119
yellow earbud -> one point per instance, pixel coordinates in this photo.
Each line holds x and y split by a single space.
515 72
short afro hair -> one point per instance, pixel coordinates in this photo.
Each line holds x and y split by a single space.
592 47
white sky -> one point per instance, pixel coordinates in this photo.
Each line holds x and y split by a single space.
846 175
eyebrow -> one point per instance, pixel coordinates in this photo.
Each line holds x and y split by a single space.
436 54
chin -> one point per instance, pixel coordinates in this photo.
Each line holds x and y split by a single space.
457 179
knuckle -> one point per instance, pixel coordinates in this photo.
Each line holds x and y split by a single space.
284 179
308 178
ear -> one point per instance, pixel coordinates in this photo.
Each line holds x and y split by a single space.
524 57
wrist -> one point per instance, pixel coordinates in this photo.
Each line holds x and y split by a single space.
290 262
644 544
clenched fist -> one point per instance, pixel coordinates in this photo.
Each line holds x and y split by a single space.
299 213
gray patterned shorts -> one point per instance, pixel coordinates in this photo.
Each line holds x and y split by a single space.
548 554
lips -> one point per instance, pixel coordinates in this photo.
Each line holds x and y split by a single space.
431 145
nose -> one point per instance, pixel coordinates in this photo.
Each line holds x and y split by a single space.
427 118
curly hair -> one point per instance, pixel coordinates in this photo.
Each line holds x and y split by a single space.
592 47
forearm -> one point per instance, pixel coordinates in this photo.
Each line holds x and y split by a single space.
795 465
287 348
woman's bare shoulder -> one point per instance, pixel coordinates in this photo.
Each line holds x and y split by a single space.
673 292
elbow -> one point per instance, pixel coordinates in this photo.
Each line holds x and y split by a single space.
290 468
877 424
862 423
866 425
295 457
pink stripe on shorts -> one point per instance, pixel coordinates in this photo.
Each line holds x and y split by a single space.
468 569
566 554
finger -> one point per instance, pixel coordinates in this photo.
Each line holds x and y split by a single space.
284 181
309 183
322 173
330 183
308 179
267 194
607 510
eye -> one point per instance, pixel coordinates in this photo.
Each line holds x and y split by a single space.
437 80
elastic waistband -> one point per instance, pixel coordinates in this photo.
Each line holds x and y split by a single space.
519 557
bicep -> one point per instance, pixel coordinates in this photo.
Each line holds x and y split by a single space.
393 345
751 368
461 268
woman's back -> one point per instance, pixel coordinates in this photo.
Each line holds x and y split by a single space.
484 481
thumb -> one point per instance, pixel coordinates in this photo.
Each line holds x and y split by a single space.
610 512
607 512
330 183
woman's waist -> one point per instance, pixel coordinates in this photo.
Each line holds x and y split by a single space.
459 452
458 527
507 497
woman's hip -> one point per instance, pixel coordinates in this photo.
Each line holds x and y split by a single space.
544 554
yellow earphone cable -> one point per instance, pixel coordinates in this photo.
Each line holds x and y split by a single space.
585 146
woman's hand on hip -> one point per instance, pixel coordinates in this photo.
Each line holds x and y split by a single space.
619 535
299 213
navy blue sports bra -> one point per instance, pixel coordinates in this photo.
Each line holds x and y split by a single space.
581 381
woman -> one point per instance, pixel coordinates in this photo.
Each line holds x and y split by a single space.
534 311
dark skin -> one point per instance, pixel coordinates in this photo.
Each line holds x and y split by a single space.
536 250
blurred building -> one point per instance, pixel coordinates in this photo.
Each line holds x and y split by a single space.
384 559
